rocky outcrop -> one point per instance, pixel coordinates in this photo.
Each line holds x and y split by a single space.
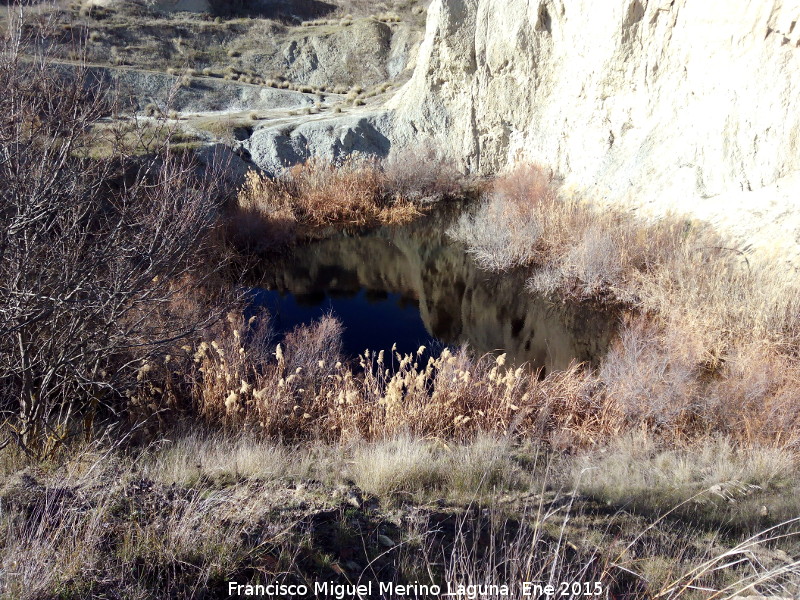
275 147
672 105
626 96
357 54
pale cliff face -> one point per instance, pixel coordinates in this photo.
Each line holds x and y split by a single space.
675 99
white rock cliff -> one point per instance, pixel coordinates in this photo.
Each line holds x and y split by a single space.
692 95
663 102
690 106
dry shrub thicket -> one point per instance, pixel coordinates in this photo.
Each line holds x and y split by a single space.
103 261
356 191
711 340
708 347
307 390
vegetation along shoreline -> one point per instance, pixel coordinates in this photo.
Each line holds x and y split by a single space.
162 435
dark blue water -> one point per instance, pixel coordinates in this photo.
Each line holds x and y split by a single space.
372 319
411 287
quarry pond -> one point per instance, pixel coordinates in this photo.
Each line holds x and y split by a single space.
411 285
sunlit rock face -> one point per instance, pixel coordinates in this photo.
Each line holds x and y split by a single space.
672 105
626 98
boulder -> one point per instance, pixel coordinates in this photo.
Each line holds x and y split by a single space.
276 147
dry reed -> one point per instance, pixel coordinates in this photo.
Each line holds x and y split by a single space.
711 340
318 193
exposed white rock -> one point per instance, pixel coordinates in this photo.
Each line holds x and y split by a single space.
279 146
668 105
698 96
675 104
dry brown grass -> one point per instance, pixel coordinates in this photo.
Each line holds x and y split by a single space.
188 515
101 527
318 193
666 380
305 390
638 471
652 380
712 337
356 192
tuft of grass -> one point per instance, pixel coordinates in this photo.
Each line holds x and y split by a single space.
195 458
405 469
399 469
714 479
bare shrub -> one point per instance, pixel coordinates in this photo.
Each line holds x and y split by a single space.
650 381
742 298
581 250
754 397
594 260
307 345
507 229
499 236
677 369
421 174
95 253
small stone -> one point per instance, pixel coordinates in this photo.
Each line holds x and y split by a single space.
354 499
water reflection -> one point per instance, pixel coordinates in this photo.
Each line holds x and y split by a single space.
407 285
